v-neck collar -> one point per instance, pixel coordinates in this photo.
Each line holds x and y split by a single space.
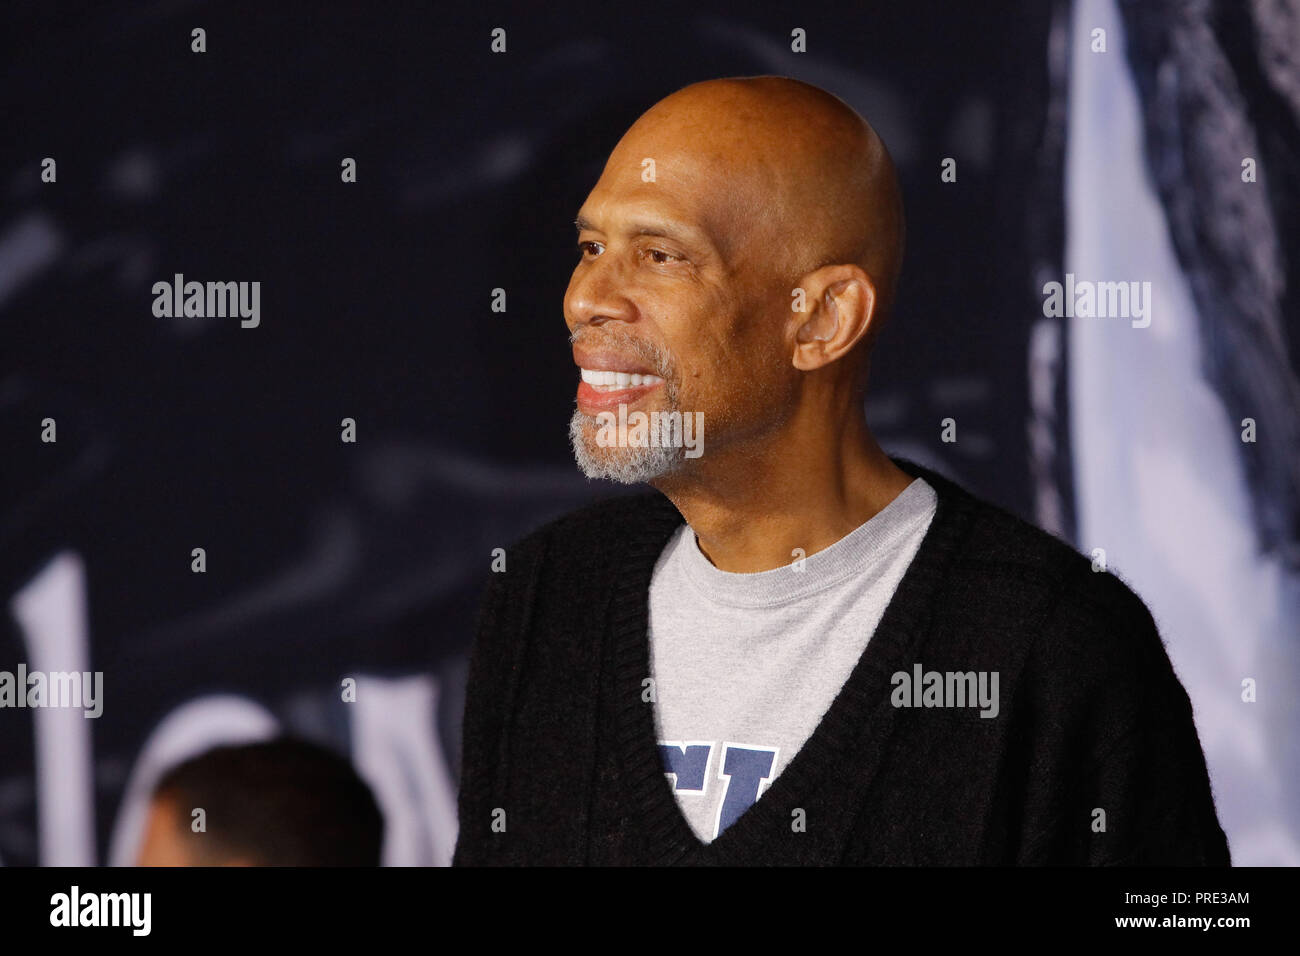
860 713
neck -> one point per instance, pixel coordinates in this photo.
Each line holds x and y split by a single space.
762 504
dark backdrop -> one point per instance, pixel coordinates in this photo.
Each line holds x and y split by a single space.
328 559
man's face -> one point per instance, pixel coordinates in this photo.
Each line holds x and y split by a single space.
670 285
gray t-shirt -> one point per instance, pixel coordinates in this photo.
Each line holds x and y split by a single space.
745 665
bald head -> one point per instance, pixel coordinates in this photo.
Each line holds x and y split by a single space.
809 182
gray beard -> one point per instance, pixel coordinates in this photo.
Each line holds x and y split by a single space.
627 466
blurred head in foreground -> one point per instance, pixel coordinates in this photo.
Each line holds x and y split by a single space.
283 802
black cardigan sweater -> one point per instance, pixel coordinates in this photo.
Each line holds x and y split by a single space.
1093 757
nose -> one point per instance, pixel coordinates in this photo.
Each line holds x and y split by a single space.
597 294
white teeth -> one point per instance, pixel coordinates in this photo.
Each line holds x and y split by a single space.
602 379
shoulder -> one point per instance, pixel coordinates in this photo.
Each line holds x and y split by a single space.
599 526
557 569
1004 542
1069 637
1004 552
1089 644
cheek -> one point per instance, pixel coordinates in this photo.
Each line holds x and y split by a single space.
729 356
730 376
705 364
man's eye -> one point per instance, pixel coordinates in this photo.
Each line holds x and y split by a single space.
660 257
585 247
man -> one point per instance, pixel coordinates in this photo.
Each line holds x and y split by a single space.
837 657
282 802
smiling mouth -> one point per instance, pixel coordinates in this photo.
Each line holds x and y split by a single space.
602 380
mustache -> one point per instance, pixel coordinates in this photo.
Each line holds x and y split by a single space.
654 355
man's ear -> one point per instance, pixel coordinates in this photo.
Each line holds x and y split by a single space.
839 306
